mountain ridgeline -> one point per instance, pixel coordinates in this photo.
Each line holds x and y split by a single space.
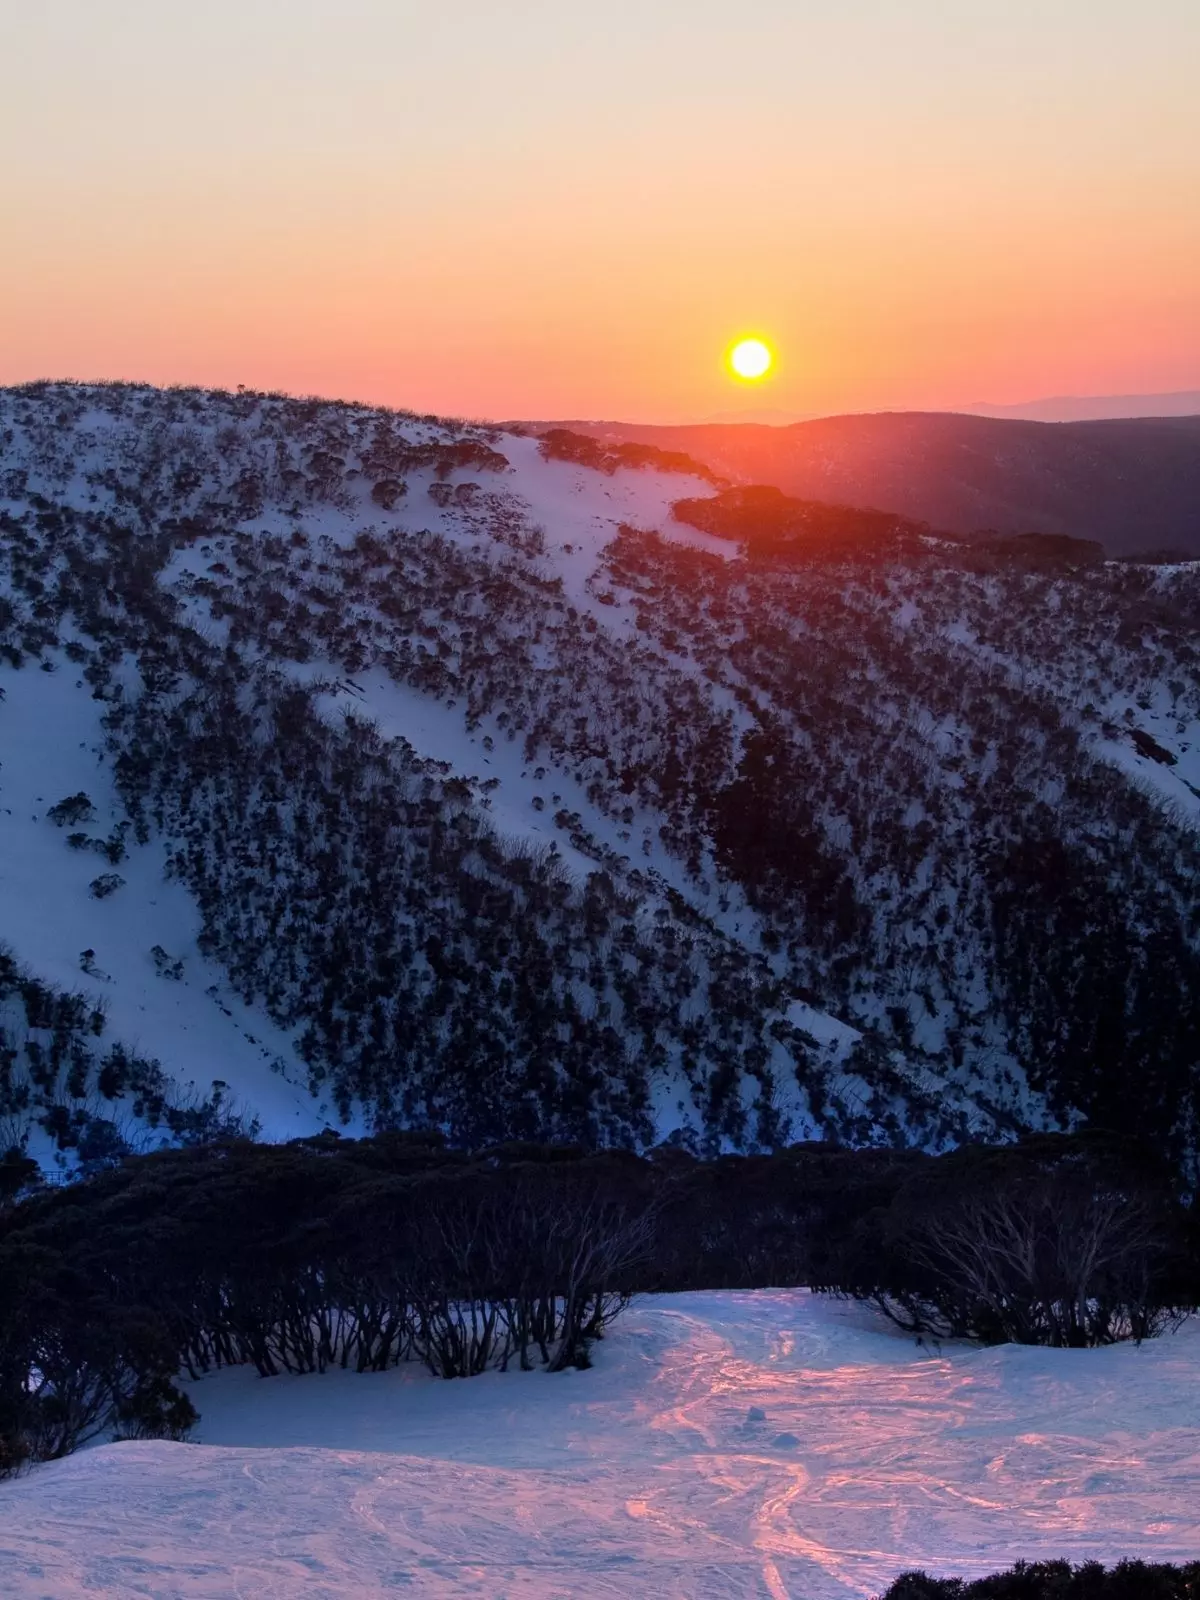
1132 484
539 792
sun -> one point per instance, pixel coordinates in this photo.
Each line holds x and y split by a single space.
751 359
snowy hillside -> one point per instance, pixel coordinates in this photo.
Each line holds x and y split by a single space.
406 774
762 1444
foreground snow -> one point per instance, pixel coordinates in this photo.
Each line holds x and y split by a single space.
766 1444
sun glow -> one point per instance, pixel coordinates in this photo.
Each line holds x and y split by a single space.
750 359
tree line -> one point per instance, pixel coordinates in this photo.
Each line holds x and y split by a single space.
363 1254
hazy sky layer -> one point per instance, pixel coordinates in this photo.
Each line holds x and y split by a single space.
542 208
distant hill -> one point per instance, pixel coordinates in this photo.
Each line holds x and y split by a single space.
364 770
1078 407
1133 484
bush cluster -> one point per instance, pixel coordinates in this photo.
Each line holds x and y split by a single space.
296 1258
1055 1241
772 525
562 444
1059 1580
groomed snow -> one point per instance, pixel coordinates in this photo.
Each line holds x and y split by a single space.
767 1444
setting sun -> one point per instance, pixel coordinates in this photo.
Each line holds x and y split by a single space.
750 359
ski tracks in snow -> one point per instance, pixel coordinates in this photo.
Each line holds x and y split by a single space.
725 1446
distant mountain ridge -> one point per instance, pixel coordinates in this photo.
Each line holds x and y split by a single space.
1133 485
1094 407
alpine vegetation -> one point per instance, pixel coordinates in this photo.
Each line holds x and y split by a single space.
417 774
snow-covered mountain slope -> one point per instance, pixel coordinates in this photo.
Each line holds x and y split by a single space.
448 782
177 1008
759 1444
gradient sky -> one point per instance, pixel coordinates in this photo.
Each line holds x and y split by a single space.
542 208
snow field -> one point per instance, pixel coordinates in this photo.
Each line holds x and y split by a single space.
766 1444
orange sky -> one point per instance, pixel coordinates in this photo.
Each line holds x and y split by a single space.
537 209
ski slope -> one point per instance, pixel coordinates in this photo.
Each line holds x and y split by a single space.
765 1444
